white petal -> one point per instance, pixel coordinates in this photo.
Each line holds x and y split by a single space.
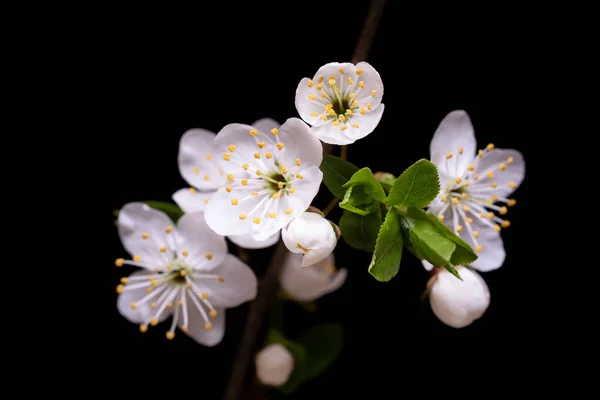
266 124
190 201
330 134
338 280
458 303
492 256
306 189
274 365
239 284
247 242
312 232
198 239
197 331
135 219
490 162
366 123
427 265
299 143
305 105
194 147
224 218
372 81
454 131
302 283
143 311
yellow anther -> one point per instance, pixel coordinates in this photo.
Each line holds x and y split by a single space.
494 197
448 156
154 321
119 262
458 180
208 326
324 95
314 114
261 144
490 174
355 126
493 184
332 82
182 272
234 202
319 86
272 215
209 256
231 148
137 258
475 176
511 202
351 95
292 190
482 214
279 145
124 280
510 160
359 71
170 335
331 112
209 157
335 123
256 220
184 328
476 234
460 150
464 195
502 167
348 112
350 81
490 215
321 79
369 106
149 289
185 253
163 249
497 228
133 306
280 185
242 216
505 224
454 200
441 218
323 117
465 208
245 166
151 277
341 117
471 167
196 170
275 195
268 155
312 96
213 313
169 266
120 288
512 185
169 305
244 181
220 279
254 193
299 176
288 211
257 155
192 190
143 328
480 153
297 162
490 147
328 106
204 295
310 83
466 184
153 305
373 92
503 210
230 177
274 131
342 71
361 84
479 247
354 104
459 228
180 302
228 189
343 127
469 220
169 229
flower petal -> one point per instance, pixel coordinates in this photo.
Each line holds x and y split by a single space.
196 160
238 286
299 143
247 242
427 265
455 131
143 311
206 250
305 105
274 365
338 280
192 200
199 333
366 124
458 303
331 134
224 218
507 180
312 235
266 124
303 283
372 81
245 144
493 254
138 219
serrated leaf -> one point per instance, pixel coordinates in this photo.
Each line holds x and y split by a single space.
426 241
453 271
363 193
418 185
388 249
336 172
360 231
365 177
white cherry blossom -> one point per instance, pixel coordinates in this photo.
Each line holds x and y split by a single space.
274 365
186 274
272 177
342 102
311 235
475 188
199 167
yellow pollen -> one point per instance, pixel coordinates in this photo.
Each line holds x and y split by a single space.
350 81
354 104
163 249
479 247
454 200
133 306
505 224
476 234
213 313
344 127
512 185
182 272
169 305
208 256
154 321
269 155
261 144
332 82
220 279
169 229
153 305
185 253
280 185
460 150
351 95
297 162
208 326
188 285
314 114
373 92
502 167
184 328
493 184
341 117
292 190
471 167
480 153
441 218
256 155
288 211
466 184
253 132
124 280
143 328
459 228
321 79
497 228
275 195
206 177
231 148
245 166
448 156
228 189
359 71
323 117
510 160
256 220
242 216
490 147
209 157
355 126
458 180
274 131
348 112
192 190
335 123
469 220
244 182
151 277
299 176
342 71
120 289
272 215
196 170
310 83
369 106
444 198
465 208
312 96
279 145
511 202
204 295
319 86
503 210
234 202
482 214
137 258
490 215
324 95
180 303
149 289
254 193
464 195
169 266
361 84
119 262
230 177
328 106
475 176
494 197
170 335
490 174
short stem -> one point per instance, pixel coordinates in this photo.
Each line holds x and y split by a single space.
344 152
330 206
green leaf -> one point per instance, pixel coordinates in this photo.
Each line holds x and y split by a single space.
171 209
363 193
322 345
388 249
386 180
336 172
360 231
298 351
418 185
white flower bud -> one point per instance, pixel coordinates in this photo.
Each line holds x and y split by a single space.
274 365
458 303
308 284
310 234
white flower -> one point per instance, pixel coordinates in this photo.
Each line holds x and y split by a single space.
274 365
311 235
342 102
458 303
471 182
187 273
309 283
198 165
271 178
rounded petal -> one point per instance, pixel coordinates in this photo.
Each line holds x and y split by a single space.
247 242
143 311
458 303
137 219
305 105
224 218
238 286
266 124
366 124
199 241
308 283
338 280
455 131
330 134
427 265
493 254
192 200
372 81
507 180
196 326
299 143
311 235
196 163
274 365
306 189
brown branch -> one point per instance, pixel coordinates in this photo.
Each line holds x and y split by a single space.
268 284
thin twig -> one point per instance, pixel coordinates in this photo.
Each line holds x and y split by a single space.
344 152
330 206
268 284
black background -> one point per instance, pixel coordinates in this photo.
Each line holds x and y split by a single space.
162 74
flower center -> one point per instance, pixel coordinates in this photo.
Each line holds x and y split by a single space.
276 181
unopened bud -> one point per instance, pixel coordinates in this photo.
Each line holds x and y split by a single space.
274 365
311 235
